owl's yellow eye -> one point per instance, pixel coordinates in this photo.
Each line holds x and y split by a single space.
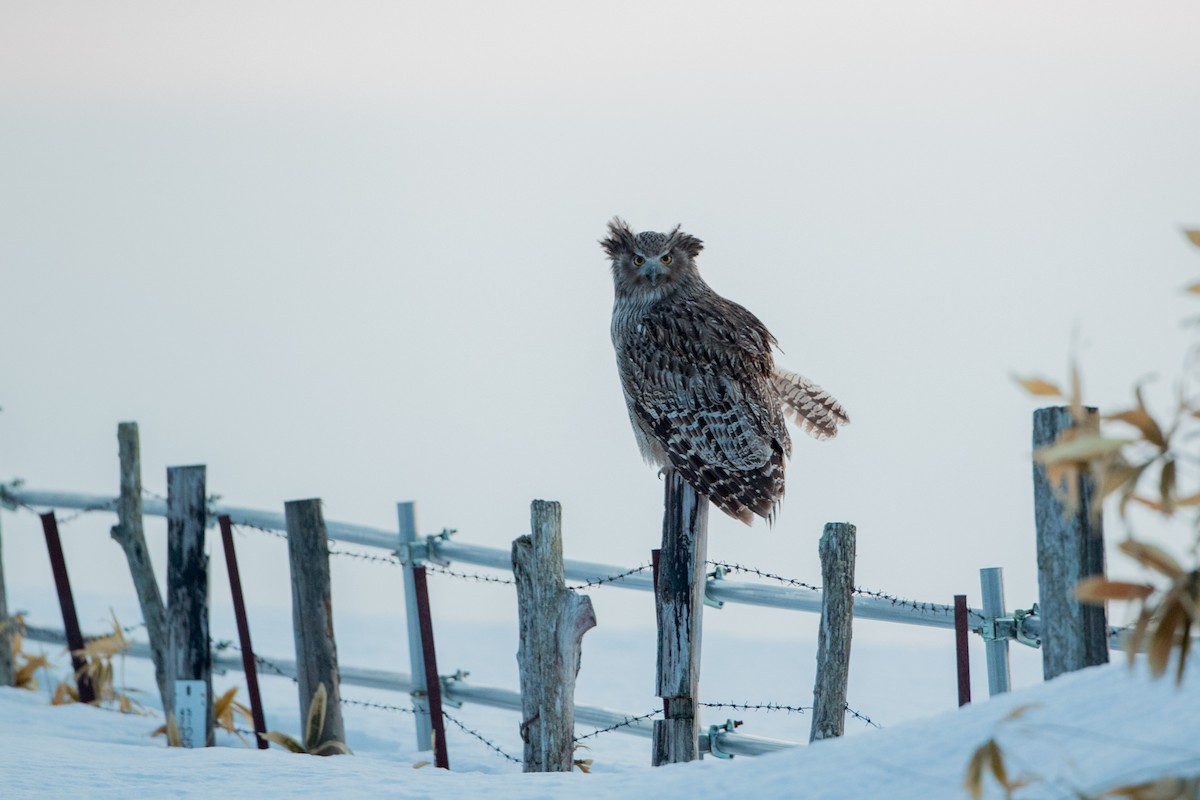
638 261
665 259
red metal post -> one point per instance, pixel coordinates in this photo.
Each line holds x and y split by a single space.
58 564
962 653
243 626
433 684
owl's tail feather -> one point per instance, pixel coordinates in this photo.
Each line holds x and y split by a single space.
808 406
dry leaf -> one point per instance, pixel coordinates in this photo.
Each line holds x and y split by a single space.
1079 448
1166 487
1098 589
1039 387
1140 418
1162 641
1193 236
1152 556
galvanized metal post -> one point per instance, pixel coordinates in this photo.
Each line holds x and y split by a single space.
991 580
407 514
961 652
243 626
58 565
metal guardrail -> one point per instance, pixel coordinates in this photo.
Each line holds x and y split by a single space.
439 548
1023 626
458 691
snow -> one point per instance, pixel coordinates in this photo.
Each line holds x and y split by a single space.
1087 731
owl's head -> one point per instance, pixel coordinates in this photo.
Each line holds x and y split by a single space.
650 261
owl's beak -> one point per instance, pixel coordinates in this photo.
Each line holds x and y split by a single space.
653 272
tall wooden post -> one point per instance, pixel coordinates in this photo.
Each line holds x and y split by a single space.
312 614
128 533
553 620
66 600
188 655
837 548
1070 547
679 602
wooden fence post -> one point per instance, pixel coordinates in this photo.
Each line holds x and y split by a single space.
679 602
553 620
249 667
961 652
312 614
7 669
128 533
58 564
1070 547
837 548
407 515
189 657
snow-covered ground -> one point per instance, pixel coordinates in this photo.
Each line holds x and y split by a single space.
1081 733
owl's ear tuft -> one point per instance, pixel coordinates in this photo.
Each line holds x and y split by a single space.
620 238
685 242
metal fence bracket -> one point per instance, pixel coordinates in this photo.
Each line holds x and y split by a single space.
458 677
716 575
714 732
1000 628
420 552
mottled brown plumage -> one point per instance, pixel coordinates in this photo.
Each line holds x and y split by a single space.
703 392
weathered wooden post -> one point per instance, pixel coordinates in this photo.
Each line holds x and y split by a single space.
7 670
128 533
189 659
961 652
249 667
1070 547
553 620
679 602
837 548
66 600
312 614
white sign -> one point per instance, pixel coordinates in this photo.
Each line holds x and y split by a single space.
191 712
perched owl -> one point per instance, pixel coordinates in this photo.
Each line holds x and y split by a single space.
704 394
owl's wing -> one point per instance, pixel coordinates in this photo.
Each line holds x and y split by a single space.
699 380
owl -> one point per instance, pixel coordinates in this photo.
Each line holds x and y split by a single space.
704 395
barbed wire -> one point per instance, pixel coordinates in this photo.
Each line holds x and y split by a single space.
758 707
377 706
468 576
258 660
617 726
488 742
741 568
21 504
600 581
790 709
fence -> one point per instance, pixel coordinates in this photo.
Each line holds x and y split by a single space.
441 551
413 553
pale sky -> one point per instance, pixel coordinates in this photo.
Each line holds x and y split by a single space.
348 250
